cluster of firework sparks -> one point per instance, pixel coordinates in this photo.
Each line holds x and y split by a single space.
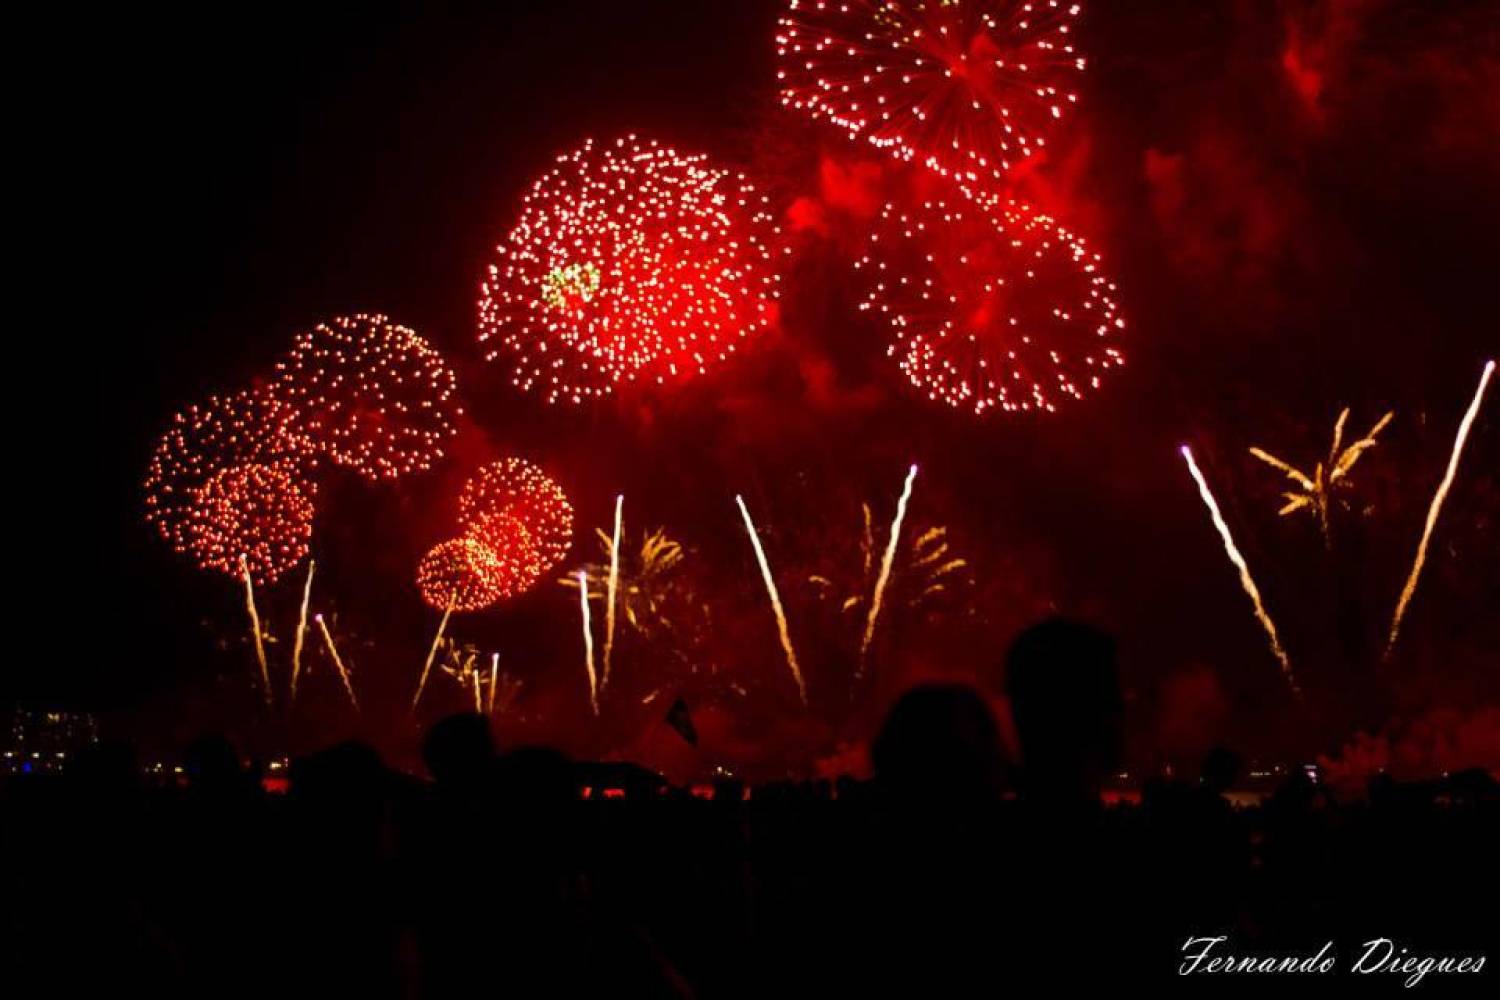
632 263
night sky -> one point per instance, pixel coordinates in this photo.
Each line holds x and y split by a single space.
1298 200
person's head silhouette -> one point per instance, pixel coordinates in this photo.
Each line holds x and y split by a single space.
941 742
1064 692
459 750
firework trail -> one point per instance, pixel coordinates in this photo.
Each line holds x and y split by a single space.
301 630
614 588
781 626
260 646
431 653
494 681
588 639
478 704
338 663
885 570
1246 581
1437 506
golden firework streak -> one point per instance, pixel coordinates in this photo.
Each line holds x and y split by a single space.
1437 506
1246 581
431 653
301 631
494 680
886 562
588 640
260 646
338 662
614 588
781 626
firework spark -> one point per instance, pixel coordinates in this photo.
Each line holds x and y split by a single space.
781 625
1437 505
990 305
588 639
629 262
965 87
338 661
372 394
510 495
249 427
1246 580
253 516
886 562
260 645
613 591
301 630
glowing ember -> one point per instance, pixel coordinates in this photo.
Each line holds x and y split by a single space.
512 497
965 87
372 394
253 516
991 306
629 262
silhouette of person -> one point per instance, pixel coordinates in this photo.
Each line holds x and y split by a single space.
1064 692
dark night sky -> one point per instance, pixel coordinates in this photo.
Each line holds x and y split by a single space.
1299 200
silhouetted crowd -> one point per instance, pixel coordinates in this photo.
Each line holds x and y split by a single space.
951 873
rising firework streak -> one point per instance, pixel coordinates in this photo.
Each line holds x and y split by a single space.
1437 506
301 630
1246 581
260 646
494 681
588 640
885 570
338 662
781 626
431 652
614 587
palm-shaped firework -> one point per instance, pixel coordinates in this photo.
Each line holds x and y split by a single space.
1319 492
647 582
655 599
928 575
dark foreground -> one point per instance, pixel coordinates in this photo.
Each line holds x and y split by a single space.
950 874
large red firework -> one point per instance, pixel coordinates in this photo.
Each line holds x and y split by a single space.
251 426
990 305
630 262
372 394
256 513
966 87
514 507
463 574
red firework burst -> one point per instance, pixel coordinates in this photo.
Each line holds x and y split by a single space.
966 87
374 395
513 495
248 427
629 262
253 512
463 574
991 305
